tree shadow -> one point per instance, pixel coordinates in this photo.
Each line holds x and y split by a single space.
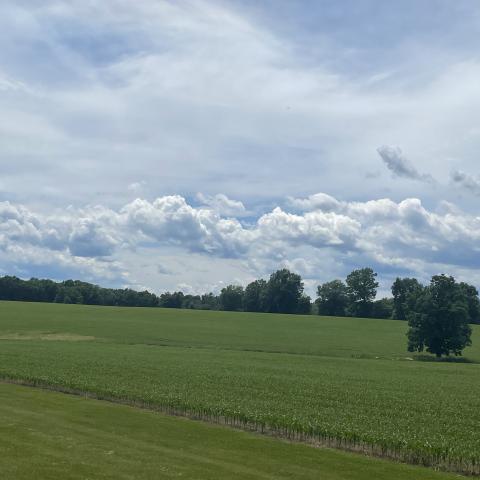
432 358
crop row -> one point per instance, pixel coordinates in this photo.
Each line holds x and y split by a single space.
420 413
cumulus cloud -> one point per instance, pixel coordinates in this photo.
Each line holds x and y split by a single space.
171 220
397 163
320 201
393 235
27 260
88 240
318 229
466 181
222 204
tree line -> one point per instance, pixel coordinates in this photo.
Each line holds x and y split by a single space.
438 314
283 292
355 297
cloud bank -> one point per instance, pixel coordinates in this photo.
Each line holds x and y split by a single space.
395 236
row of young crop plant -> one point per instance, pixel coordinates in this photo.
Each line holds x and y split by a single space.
422 453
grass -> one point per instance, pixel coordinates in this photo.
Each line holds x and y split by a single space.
345 382
46 435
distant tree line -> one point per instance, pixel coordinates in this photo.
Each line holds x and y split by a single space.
438 314
72 291
356 297
283 292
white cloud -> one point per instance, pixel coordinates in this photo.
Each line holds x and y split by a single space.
212 96
156 89
87 239
320 201
391 236
136 187
222 204
170 220
319 229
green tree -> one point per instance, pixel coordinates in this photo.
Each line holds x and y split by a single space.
405 292
231 298
382 308
473 303
171 300
439 322
209 301
332 298
304 306
255 296
284 291
361 290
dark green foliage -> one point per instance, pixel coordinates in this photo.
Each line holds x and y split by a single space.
473 303
405 293
332 298
171 300
439 322
382 308
304 305
361 290
209 301
284 292
231 298
254 299
72 291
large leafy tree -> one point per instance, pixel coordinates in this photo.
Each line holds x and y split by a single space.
255 296
332 298
439 322
405 293
361 290
284 292
231 298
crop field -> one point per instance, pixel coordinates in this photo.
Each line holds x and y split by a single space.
346 383
50 435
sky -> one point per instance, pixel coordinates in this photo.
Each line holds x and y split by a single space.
192 144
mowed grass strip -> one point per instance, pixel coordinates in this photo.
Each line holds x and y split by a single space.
420 412
47 435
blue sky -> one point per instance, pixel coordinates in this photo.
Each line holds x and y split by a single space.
192 144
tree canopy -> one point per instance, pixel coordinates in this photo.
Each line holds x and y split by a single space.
231 298
255 296
332 298
284 291
361 290
405 292
439 321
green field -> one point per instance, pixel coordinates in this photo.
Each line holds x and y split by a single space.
345 382
46 435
